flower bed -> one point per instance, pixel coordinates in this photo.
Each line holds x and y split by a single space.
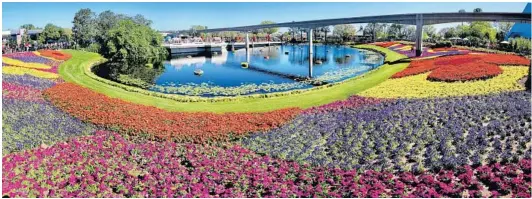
27 71
476 70
28 80
29 57
15 91
462 67
406 135
416 67
447 49
18 63
506 59
385 44
99 109
406 49
55 54
350 103
97 166
418 86
28 124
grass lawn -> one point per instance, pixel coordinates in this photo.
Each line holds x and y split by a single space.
73 71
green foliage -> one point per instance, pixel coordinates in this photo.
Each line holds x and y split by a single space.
268 31
129 45
520 45
443 44
344 31
195 28
50 32
94 47
84 28
131 81
66 34
28 27
479 33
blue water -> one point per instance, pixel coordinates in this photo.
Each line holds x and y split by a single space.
225 70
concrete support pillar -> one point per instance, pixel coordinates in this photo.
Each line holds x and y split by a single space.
247 47
419 34
310 52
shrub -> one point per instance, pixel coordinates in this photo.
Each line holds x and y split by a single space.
443 44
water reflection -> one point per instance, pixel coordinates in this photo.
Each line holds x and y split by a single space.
225 70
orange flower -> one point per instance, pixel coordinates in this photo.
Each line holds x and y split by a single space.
101 110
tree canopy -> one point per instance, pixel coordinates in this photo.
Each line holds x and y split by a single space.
130 44
84 29
344 31
28 27
268 31
50 32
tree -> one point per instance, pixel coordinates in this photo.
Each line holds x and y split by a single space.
477 10
344 31
410 33
66 34
430 31
143 21
325 30
28 27
194 30
502 29
84 29
396 31
51 32
375 29
448 32
268 31
462 11
130 45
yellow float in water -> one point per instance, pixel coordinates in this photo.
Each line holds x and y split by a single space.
244 64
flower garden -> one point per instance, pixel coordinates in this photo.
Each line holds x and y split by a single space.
455 123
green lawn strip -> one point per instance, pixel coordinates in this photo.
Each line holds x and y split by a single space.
73 71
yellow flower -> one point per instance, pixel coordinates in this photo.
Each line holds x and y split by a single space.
14 62
418 86
21 71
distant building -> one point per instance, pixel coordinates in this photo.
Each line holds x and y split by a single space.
520 29
17 35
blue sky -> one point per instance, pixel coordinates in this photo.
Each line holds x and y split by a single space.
178 15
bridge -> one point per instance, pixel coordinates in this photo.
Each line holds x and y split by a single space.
418 19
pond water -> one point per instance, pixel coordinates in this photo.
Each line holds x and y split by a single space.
223 74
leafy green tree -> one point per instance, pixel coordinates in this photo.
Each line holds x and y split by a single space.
66 34
130 45
448 32
194 30
396 31
344 31
51 32
375 30
28 27
141 20
84 29
268 31
477 10
430 31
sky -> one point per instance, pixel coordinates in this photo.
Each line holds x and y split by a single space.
180 15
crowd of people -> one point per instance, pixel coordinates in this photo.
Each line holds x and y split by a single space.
12 48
